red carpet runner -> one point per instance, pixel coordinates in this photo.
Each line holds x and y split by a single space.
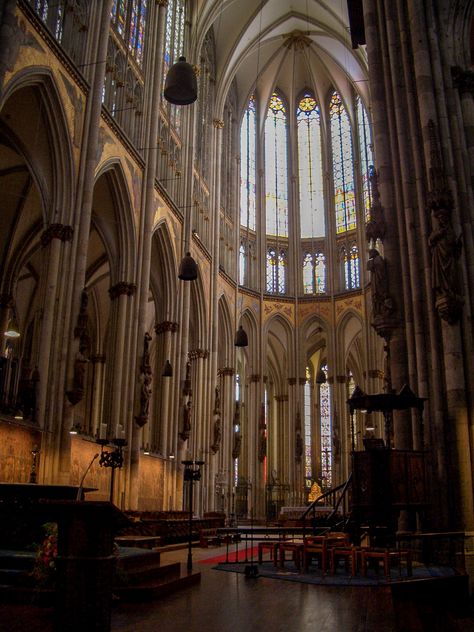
241 556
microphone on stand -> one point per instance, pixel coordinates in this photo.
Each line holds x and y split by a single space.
79 491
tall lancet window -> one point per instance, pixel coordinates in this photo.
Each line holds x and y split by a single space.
351 268
174 47
308 461
129 20
343 165
366 155
276 168
248 194
326 432
310 168
242 264
276 271
314 273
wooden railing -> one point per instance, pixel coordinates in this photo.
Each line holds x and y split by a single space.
334 501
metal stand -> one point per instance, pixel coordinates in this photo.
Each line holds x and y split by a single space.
192 472
112 458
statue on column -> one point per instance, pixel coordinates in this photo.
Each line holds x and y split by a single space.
382 303
446 272
217 423
146 377
187 407
237 433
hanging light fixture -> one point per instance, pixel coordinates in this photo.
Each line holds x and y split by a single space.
188 270
167 370
181 83
241 339
12 330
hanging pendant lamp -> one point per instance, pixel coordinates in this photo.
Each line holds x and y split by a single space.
167 370
188 270
12 330
241 339
181 83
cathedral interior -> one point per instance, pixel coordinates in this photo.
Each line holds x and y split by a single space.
227 279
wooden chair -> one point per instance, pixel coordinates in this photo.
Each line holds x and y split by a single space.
269 545
315 546
295 547
387 557
347 553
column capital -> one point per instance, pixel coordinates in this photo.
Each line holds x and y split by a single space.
120 288
225 371
56 231
255 377
98 358
194 354
292 381
161 3
281 398
218 123
166 325
375 373
341 379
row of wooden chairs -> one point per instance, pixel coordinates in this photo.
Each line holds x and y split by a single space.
328 550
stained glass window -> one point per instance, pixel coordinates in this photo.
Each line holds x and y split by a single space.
366 155
308 468
326 432
174 34
343 165
310 168
248 166
314 273
351 268
242 264
276 168
128 17
276 273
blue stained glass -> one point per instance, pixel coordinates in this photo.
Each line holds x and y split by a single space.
276 170
248 186
351 268
310 168
343 166
326 431
276 273
366 155
308 468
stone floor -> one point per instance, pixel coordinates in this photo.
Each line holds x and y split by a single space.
232 602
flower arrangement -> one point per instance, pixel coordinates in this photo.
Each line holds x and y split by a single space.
44 570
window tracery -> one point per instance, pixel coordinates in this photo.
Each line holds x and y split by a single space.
343 165
276 168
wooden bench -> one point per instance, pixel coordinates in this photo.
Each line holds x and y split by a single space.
209 537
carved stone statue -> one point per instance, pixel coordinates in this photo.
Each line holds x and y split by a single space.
184 434
445 272
382 304
145 378
217 435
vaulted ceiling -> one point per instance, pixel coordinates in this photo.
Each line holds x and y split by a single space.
292 45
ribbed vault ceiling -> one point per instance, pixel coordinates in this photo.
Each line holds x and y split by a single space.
292 45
